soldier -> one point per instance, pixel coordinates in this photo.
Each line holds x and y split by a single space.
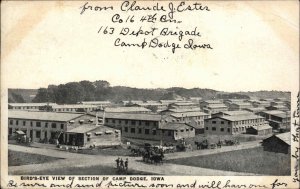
126 164
121 164
118 163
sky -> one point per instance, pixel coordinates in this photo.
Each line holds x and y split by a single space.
255 47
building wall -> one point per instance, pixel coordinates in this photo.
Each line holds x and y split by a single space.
273 144
41 129
218 126
35 129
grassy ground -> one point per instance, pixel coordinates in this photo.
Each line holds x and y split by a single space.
21 158
94 170
250 160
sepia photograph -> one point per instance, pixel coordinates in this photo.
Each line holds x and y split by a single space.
150 94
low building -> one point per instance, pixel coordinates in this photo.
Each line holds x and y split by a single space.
28 106
255 110
74 108
228 102
261 104
176 131
179 110
91 134
131 109
152 105
215 108
231 125
206 103
259 130
231 113
146 126
44 125
280 143
239 106
96 103
195 99
278 120
195 119
184 105
279 107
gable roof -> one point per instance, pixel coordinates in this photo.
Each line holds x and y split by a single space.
127 109
131 116
285 137
188 114
237 117
47 116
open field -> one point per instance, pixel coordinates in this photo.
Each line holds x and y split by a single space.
253 160
92 170
21 158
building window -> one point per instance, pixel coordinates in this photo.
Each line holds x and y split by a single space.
31 124
62 126
24 123
155 123
214 122
126 129
169 133
11 122
46 125
114 121
222 129
222 122
140 122
187 130
228 130
140 130
126 122
106 120
17 122
206 128
132 122
147 123
154 132
132 130
38 134
192 129
10 131
53 125
38 124
213 128
119 121
147 131
182 130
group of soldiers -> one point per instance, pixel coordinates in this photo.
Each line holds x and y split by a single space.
122 165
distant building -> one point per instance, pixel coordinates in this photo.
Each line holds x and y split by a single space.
157 105
195 99
206 103
261 104
97 103
179 110
231 113
278 120
279 107
131 109
28 106
215 108
195 119
259 130
255 110
231 125
44 125
184 105
280 143
74 108
228 102
239 106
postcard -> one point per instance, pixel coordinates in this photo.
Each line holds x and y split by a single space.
150 94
